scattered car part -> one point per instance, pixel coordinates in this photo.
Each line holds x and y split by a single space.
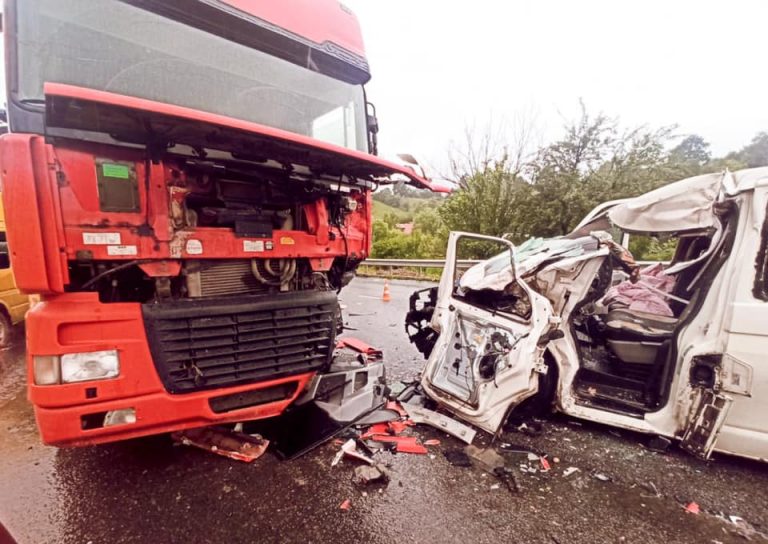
359 346
238 446
382 415
349 449
417 320
353 385
487 458
458 458
508 477
366 474
444 423
301 429
403 444
659 443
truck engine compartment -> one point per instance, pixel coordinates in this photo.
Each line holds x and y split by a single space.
258 206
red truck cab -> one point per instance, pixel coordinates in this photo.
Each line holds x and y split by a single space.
187 185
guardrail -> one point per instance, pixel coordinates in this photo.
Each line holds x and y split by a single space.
419 268
422 265
415 263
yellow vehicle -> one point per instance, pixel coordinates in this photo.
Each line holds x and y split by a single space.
13 303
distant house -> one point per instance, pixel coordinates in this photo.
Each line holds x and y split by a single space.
406 228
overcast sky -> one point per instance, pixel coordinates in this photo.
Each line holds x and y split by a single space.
439 65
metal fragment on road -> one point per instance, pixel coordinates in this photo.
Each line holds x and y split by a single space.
224 442
421 415
349 448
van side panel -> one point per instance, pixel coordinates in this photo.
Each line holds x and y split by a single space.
745 367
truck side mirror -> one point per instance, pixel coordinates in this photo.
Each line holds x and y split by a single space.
373 128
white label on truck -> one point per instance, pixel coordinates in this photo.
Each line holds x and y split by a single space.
194 247
121 250
253 245
101 238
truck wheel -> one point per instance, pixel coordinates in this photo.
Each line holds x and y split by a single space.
5 330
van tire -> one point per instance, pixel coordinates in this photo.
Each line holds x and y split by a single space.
6 330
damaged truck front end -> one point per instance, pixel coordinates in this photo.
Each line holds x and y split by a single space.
574 324
188 187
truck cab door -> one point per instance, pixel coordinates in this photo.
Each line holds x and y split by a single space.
489 354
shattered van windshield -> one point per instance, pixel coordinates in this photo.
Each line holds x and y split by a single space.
111 46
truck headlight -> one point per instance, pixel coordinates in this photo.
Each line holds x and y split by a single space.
83 367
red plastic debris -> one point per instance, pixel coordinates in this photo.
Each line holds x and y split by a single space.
346 505
378 428
395 406
404 444
432 442
359 346
398 426
692 508
238 446
544 464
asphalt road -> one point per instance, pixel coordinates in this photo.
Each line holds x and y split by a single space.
151 491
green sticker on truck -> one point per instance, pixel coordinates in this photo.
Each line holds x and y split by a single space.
119 171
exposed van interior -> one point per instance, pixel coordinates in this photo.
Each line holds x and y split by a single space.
626 326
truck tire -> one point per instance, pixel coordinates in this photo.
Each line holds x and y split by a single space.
6 330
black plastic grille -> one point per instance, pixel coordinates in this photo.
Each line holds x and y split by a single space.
201 344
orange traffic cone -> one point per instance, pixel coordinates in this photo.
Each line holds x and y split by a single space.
386 296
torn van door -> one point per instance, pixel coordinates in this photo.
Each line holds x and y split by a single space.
710 413
488 356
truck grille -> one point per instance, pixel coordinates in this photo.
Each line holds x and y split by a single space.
204 344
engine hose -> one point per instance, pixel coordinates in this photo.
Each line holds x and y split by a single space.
290 270
284 273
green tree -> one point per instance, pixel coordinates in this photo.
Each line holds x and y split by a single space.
755 153
595 162
693 151
487 201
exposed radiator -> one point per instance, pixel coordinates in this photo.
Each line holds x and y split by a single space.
220 278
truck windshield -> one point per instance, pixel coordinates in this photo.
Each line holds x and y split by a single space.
112 46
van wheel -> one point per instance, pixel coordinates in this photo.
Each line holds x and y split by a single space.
5 331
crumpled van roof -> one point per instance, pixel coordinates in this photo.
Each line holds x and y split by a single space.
684 205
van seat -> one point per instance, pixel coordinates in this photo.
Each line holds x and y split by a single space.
635 337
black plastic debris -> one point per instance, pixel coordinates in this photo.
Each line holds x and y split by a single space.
457 458
507 476
526 426
301 429
659 444
487 458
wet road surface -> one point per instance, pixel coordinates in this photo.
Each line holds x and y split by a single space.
150 491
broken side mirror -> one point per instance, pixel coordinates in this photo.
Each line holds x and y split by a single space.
411 162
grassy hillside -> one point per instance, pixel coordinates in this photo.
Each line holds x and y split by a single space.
380 210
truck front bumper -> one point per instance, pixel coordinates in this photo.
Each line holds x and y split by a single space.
136 402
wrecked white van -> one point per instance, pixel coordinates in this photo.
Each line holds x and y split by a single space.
678 349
